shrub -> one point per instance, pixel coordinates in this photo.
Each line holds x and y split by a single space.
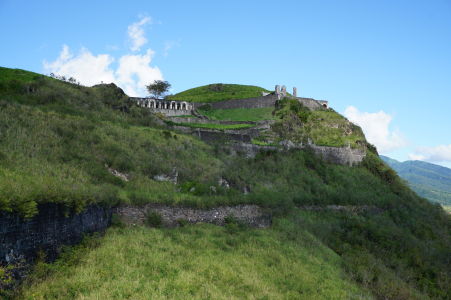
154 219
116 221
182 222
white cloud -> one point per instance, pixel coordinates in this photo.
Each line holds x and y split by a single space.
133 73
136 33
441 153
376 129
85 67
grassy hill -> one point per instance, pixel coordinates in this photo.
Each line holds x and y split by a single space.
197 262
219 92
428 180
59 142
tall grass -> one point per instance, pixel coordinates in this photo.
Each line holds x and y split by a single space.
197 262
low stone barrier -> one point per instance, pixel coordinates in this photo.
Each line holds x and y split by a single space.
172 216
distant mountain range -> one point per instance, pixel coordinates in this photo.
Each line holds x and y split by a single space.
428 180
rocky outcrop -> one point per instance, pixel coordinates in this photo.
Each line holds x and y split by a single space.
172 216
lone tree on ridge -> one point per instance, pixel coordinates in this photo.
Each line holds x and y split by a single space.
158 88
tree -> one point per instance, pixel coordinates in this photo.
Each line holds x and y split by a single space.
158 88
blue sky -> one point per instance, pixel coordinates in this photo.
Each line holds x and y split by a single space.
386 65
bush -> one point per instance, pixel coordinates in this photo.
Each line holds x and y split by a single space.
116 221
154 219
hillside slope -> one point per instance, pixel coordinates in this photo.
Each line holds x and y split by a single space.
428 180
219 92
74 145
198 262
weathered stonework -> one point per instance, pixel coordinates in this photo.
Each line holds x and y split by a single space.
338 155
251 215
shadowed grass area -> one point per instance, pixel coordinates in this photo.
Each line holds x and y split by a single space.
240 114
219 92
197 262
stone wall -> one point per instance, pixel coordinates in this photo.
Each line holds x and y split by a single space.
251 215
312 103
339 155
258 102
21 239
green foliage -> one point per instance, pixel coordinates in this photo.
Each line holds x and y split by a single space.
116 221
428 180
239 114
154 219
198 262
60 143
158 88
322 127
218 92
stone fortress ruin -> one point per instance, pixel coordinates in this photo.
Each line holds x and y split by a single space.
173 108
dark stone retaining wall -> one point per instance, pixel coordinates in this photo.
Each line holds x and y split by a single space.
251 215
21 239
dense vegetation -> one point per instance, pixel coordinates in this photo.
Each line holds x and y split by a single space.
197 262
428 180
59 142
218 92
321 127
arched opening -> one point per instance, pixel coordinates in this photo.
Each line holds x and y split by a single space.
172 105
184 106
324 105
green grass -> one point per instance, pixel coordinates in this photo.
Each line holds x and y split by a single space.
240 114
216 126
321 127
219 92
7 75
197 262
57 141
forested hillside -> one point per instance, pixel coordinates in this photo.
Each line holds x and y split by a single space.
428 180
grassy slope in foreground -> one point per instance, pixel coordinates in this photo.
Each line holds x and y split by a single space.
219 92
198 262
